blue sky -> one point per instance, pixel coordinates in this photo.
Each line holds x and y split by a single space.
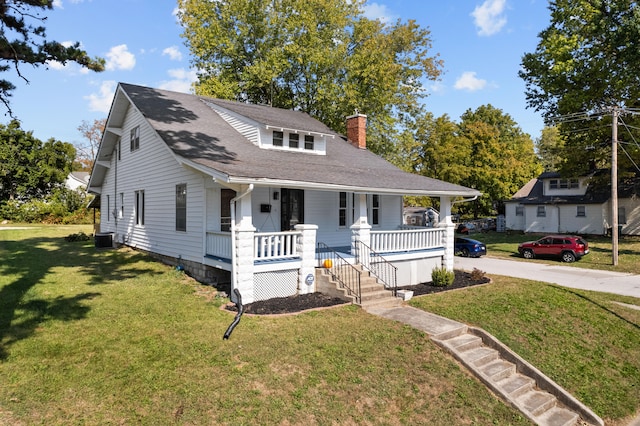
480 41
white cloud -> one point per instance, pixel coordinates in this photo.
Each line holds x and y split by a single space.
378 11
58 4
489 17
468 81
101 101
119 58
182 80
173 52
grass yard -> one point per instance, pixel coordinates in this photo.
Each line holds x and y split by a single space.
98 337
506 246
585 341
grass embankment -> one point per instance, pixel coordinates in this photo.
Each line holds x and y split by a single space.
110 337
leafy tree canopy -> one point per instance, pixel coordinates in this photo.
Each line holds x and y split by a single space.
486 151
23 41
585 64
28 167
319 56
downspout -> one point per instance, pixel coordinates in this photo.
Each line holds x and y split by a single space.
232 207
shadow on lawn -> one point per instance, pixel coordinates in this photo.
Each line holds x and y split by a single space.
31 260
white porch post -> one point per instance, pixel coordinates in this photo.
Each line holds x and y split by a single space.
307 250
244 233
449 235
361 230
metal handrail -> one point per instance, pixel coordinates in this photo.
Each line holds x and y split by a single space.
347 275
378 266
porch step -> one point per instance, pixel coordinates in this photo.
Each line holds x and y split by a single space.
502 376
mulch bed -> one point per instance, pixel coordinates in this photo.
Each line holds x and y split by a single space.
303 302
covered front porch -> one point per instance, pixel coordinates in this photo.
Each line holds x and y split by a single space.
283 263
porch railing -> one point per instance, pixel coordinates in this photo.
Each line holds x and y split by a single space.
347 275
218 244
266 245
407 239
378 266
276 245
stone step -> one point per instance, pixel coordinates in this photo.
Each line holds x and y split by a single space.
499 370
463 342
536 402
382 302
558 416
479 356
516 385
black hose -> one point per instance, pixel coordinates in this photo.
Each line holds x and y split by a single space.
236 320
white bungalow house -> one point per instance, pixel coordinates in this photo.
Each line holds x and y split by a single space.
553 204
257 196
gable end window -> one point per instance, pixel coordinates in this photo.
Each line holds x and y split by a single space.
278 138
581 211
181 207
135 138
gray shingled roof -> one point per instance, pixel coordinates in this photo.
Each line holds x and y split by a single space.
194 131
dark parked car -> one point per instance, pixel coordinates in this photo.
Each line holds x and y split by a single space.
567 248
468 247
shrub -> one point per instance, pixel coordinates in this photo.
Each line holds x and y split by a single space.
80 236
441 277
477 274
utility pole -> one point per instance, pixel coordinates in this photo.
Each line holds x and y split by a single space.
614 188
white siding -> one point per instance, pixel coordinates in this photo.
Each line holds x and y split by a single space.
513 222
153 169
591 223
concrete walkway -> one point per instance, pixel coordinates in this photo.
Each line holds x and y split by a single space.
556 273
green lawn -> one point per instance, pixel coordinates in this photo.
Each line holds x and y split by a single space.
600 257
98 337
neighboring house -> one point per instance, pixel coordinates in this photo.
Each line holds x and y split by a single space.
553 204
76 180
253 195
421 216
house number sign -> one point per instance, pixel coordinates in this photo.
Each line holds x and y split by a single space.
309 279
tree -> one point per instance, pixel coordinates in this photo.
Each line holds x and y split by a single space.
502 156
92 133
319 56
28 167
23 43
486 151
584 64
550 147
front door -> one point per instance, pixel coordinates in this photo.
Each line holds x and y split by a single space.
292 208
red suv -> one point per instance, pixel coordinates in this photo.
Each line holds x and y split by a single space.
567 248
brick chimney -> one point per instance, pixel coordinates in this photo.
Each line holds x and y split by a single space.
357 130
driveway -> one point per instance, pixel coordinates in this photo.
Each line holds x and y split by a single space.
556 273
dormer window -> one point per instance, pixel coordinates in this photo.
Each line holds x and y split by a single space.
308 142
278 138
564 184
294 140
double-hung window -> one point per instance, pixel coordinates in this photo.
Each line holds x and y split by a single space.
308 142
135 138
139 195
294 140
375 209
342 210
542 211
278 138
581 211
181 207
